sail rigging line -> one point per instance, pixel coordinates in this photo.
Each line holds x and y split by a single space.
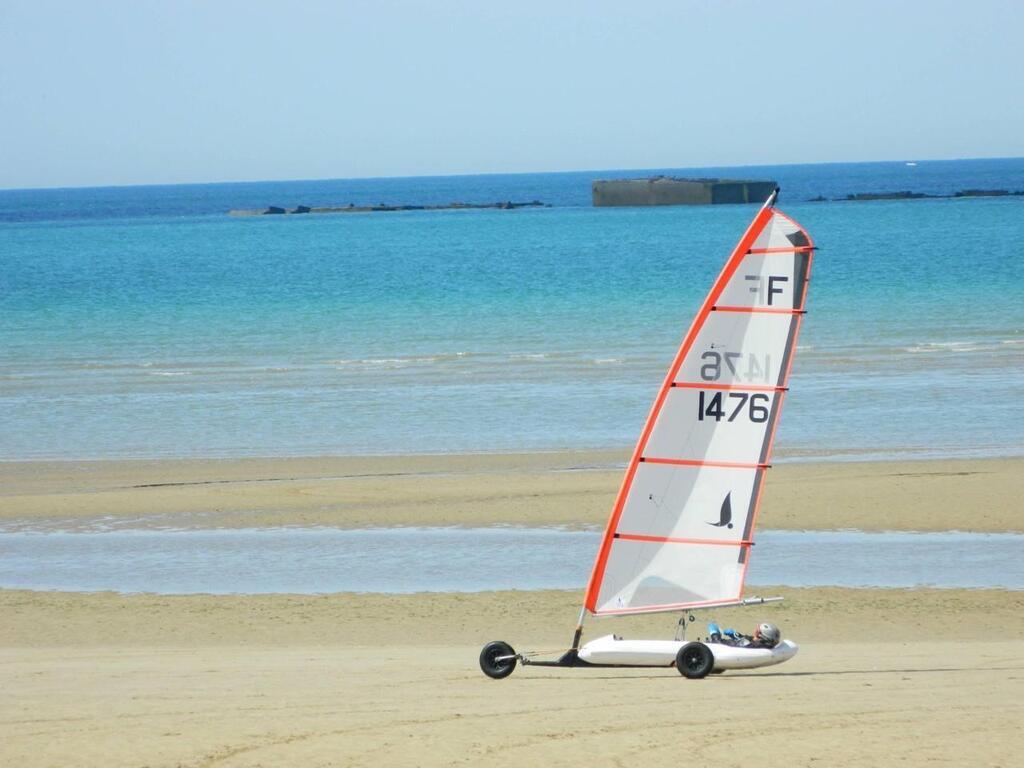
769 406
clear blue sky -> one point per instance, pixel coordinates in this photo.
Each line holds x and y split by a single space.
118 92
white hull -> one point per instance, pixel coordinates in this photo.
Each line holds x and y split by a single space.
662 653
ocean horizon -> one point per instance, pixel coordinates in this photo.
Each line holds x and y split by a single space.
143 322
800 182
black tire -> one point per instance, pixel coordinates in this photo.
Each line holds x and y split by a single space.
694 661
492 663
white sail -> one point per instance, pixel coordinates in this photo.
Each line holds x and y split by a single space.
681 529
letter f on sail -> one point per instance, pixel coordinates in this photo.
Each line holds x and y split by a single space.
725 516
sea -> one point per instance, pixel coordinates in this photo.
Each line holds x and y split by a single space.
145 322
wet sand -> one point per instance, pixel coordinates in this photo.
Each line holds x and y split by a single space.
883 677
571 489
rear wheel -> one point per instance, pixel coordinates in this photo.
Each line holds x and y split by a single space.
497 660
694 661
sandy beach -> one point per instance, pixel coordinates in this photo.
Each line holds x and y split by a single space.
922 677
913 677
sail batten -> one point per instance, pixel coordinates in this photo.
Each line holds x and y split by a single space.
670 539
726 387
702 463
755 310
682 524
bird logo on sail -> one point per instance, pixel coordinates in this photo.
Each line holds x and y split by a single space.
725 515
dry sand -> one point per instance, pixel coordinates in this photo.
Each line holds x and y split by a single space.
884 677
573 489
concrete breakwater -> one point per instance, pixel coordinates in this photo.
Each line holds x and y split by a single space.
670 190
274 210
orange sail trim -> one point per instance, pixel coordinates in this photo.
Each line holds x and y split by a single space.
746 242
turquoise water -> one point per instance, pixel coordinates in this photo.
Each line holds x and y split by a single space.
321 560
170 329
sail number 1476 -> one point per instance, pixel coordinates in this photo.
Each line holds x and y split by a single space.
729 405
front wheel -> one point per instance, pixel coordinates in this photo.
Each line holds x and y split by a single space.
694 661
497 660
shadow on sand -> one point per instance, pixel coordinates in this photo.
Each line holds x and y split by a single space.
661 673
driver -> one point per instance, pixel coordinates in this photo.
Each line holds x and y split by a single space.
765 636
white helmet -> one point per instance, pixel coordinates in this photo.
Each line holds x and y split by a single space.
768 634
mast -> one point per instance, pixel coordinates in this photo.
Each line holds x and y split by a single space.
682 524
